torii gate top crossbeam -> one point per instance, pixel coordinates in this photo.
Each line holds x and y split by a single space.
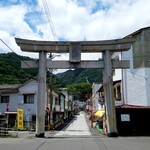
86 46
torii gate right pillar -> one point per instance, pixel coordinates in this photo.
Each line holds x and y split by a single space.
109 95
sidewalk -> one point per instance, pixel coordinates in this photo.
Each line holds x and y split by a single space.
77 127
94 131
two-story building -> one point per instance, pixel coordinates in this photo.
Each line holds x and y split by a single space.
24 96
13 97
131 86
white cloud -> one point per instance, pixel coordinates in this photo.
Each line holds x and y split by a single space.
74 21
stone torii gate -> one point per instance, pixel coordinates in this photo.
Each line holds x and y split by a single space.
75 49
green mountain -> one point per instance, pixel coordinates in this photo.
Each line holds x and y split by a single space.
12 73
81 75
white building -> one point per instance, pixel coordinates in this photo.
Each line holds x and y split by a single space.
135 81
13 97
96 97
131 86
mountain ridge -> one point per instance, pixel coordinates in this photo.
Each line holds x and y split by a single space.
12 73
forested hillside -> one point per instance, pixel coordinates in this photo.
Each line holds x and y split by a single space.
12 73
10 69
81 75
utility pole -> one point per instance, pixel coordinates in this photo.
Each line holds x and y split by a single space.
91 104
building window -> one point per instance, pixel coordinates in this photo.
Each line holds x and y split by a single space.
4 99
29 98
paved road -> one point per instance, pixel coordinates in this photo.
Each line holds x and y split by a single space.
77 127
75 136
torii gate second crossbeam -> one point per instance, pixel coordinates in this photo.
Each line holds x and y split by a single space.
75 49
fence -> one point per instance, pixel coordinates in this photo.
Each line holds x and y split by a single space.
3 127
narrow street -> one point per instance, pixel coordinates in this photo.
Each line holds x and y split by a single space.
77 127
74 136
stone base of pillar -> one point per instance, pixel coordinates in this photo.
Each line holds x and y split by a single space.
112 134
41 135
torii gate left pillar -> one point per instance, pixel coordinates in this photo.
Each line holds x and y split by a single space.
76 48
40 107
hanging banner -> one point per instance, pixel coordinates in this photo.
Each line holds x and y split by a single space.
20 118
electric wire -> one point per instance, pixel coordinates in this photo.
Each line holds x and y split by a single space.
49 17
13 51
137 74
127 70
50 21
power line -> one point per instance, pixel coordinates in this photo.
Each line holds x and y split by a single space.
2 49
13 51
7 45
137 74
49 17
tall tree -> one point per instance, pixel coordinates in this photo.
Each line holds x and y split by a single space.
80 90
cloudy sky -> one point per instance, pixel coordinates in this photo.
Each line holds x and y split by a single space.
66 20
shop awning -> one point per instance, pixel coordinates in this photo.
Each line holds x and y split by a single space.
99 113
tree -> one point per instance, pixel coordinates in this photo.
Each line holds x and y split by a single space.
79 89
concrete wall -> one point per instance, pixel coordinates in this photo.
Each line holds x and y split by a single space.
13 103
147 75
141 49
135 82
135 87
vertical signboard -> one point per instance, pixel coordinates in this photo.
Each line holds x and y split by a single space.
62 103
20 118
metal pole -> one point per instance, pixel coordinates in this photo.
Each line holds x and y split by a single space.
109 95
40 110
91 103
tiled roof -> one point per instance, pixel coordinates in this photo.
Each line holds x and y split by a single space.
133 107
9 86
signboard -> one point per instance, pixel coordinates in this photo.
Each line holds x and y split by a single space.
20 118
62 104
125 117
